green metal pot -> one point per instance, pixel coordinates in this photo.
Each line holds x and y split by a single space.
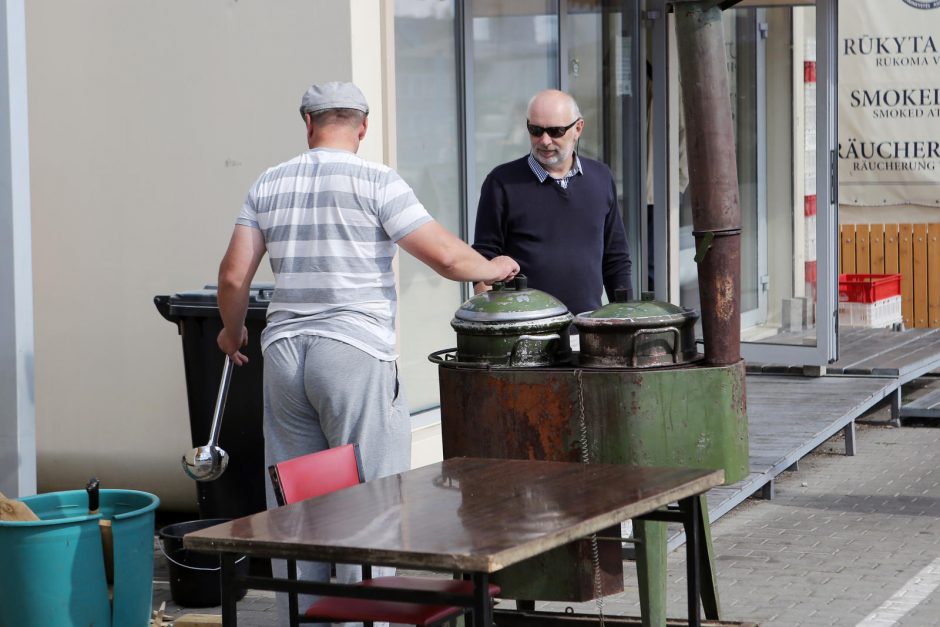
513 326
637 334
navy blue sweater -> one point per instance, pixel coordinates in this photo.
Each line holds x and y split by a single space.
569 242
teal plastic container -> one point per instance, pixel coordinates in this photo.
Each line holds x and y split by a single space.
53 569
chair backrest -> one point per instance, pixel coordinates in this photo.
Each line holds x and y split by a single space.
317 473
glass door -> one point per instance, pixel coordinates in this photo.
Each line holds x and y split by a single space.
589 48
745 37
781 70
465 72
603 70
745 33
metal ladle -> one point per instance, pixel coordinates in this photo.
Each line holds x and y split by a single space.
207 463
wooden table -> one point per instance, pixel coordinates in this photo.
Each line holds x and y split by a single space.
467 515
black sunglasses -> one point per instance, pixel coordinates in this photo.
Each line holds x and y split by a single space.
553 131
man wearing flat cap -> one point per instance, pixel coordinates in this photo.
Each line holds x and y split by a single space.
331 223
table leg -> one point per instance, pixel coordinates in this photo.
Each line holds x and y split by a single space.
651 570
708 569
482 601
293 604
229 590
690 507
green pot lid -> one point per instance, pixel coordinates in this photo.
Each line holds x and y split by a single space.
510 301
639 312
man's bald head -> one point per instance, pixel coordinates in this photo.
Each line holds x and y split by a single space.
551 103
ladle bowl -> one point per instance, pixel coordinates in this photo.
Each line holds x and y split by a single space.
207 463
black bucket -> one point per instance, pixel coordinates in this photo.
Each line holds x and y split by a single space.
194 576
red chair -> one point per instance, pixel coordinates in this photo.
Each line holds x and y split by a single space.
319 473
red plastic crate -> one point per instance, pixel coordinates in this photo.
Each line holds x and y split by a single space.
868 288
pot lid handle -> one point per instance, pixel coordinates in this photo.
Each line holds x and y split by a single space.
621 295
520 282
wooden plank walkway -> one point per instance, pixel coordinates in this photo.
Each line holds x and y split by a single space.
906 355
926 406
788 417
903 355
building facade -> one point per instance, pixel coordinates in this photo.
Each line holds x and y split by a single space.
149 120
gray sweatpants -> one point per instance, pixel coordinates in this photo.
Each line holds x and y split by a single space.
320 393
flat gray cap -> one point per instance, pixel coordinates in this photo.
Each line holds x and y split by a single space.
333 95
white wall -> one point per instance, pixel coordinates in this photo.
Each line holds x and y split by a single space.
149 119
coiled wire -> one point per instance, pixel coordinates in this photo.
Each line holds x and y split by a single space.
585 459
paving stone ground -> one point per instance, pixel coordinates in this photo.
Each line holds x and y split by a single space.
845 541
842 535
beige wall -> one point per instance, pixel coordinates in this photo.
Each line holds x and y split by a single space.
148 122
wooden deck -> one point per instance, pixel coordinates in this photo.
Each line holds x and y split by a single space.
904 355
899 355
926 406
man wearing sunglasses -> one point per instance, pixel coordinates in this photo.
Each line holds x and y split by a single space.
556 212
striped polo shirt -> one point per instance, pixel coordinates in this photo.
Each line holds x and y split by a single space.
330 220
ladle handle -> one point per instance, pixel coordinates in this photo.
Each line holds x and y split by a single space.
220 403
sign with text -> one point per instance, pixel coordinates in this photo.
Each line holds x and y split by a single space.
889 103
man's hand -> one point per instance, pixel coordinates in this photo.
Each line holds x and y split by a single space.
505 269
230 345
238 267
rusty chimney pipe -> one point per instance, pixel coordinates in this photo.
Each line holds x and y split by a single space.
713 177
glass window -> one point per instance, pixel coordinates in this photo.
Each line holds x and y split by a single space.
588 76
601 50
515 54
428 159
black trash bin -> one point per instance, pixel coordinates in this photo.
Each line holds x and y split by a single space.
240 489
